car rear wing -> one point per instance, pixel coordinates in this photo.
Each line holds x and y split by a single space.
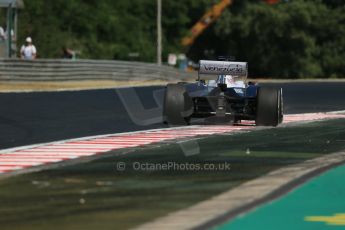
239 69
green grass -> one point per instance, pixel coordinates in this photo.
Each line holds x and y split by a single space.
95 195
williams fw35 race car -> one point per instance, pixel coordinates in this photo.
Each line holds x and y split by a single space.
223 95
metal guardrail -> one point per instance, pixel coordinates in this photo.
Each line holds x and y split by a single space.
65 70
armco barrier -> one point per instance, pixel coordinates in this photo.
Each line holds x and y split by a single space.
64 70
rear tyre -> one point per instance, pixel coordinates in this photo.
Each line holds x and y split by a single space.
269 111
281 107
178 106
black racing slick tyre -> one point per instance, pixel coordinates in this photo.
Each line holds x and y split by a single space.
178 106
269 108
281 107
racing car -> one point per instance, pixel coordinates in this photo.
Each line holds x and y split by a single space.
224 95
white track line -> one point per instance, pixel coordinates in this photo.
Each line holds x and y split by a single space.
34 155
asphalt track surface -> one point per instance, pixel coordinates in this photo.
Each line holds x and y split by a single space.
31 118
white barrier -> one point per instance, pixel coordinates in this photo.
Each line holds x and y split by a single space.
62 70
